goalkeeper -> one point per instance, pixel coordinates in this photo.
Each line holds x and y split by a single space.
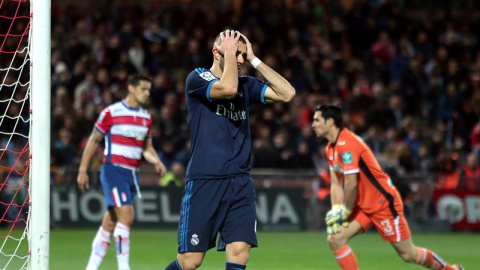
362 195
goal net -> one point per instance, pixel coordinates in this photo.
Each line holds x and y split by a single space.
15 135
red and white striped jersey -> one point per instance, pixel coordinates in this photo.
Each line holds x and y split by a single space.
125 130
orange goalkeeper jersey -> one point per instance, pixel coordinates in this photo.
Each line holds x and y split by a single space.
349 155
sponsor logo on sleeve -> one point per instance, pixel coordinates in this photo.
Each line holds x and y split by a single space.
207 76
347 158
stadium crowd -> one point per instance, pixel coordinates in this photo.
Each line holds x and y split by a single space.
407 77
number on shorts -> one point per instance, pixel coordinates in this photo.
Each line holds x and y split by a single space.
387 227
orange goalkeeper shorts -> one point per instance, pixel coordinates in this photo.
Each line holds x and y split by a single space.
392 229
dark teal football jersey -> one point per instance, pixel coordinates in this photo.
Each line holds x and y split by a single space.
219 129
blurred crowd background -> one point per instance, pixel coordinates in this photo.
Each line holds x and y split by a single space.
407 74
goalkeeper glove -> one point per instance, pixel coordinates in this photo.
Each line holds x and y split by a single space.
335 227
338 214
335 208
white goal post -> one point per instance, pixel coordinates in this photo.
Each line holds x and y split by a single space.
39 222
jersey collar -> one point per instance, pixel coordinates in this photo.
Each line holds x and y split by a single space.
338 135
124 102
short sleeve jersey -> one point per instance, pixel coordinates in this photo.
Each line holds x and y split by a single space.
350 155
219 129
125 130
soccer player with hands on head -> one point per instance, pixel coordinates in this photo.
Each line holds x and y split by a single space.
363 195
127 128
219 195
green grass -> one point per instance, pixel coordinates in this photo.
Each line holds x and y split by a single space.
152 249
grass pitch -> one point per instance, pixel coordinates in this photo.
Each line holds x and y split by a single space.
154 249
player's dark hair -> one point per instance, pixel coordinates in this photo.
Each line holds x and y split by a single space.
135 79
331 111
219 40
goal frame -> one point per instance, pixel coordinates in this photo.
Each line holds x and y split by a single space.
39 178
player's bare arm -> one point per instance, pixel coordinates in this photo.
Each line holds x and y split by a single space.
226 87
336 190
151 157
350 192
279 89
93 140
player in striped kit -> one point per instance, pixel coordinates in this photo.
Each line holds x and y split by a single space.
126 127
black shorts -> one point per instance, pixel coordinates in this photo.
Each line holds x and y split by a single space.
211 206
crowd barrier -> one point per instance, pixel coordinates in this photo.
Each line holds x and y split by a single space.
286 200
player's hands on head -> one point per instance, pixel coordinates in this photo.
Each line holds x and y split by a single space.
229 42
82 180
250 54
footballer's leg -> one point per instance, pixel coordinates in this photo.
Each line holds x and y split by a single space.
123 192
238 233
395 229
119 191
101 242
200 217
121 234
187 261
237 254
421 256
339 245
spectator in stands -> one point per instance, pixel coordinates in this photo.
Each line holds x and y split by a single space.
396 113
63 148
421 199
167 153
303 158
262 149
475 139
284 154
174 177
375 140
383 50
447 168
469 178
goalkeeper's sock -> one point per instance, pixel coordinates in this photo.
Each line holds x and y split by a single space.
429 259
121 234
174 266
99 248
234 266
346 258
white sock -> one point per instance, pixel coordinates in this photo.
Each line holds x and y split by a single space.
99 249
122 245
